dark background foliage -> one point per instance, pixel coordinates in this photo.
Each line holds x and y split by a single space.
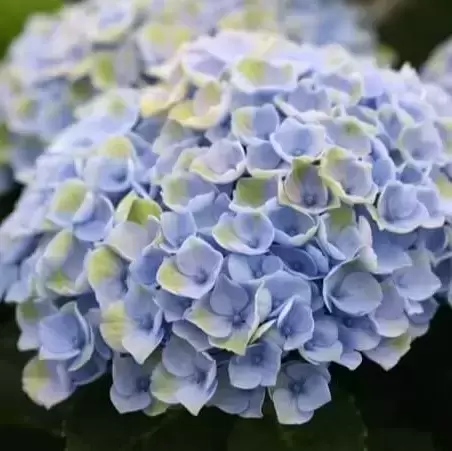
407 409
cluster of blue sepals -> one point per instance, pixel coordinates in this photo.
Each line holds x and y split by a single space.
63 59
259 212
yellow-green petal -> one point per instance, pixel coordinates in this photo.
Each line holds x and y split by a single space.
113 325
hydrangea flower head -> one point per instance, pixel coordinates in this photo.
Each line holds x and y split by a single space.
55 66
233 243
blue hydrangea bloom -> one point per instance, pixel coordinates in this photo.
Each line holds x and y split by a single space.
131 383
272 209
55 66
299 391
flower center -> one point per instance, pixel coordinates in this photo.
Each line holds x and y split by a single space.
237 320
142 384
257 359
296 387
77 341
253 242
286 330
198 377
291 231
309 199
201 278
146 322
297 152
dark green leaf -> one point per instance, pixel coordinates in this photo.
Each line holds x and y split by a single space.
207 432
94 425
338 426
256 435
397 439
29 438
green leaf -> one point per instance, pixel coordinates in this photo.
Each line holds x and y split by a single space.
338 426
397 439
94 425
206 432
257 435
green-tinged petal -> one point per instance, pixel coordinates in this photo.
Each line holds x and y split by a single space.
186 158
56 254
169 277
102 264
68 197
166 37
333 169
251 193
249 18
117 147
159 98
34 378
204 319
236 343
251 74
224 233
168 70
136 209
59 247
44 386
289 192
341 217
164 385
28 311
128 238
262 330
208 108
113 325
156 408
389 352
103 70
444 186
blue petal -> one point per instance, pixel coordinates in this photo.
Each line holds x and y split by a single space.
259 366
176 228
187 192
262 160
399 209
243 268
245 403
292 228
389 318
416 282
293 140
244 233
253 125
351 289
276 291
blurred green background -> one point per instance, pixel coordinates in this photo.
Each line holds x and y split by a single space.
14 12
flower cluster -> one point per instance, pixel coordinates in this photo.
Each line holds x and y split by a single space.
263 211
438 68
55 65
